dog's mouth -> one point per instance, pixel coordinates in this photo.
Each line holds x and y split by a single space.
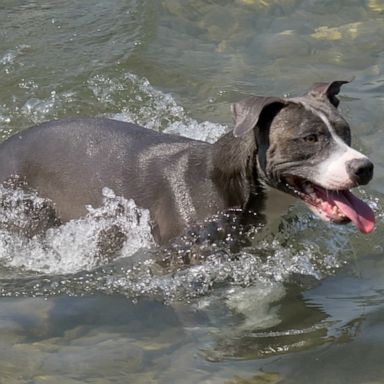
338 206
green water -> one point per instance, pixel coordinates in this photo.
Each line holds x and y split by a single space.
311 309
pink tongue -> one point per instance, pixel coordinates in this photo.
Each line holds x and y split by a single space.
355 209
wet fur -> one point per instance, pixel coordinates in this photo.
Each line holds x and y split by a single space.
181 181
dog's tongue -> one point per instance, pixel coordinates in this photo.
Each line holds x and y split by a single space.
355 209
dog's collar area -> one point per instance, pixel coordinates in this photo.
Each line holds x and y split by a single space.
338 206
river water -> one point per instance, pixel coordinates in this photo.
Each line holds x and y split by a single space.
304 304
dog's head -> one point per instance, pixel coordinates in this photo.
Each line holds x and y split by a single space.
303 148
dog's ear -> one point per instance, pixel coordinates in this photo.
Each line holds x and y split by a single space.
328 90
247 112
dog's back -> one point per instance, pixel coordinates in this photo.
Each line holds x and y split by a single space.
70 161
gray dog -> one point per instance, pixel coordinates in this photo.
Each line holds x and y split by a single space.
298 145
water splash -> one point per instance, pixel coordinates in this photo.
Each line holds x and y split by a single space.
144 105
117 228
140 275
9 58
123 97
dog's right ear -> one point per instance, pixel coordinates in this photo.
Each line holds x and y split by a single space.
247 112
328 90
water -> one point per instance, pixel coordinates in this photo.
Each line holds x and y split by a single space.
303 304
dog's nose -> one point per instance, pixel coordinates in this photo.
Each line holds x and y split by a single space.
360 170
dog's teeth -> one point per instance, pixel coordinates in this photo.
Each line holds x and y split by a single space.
308 188
335 210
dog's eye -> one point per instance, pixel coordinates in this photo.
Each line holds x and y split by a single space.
313 138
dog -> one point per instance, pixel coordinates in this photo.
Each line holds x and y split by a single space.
299 145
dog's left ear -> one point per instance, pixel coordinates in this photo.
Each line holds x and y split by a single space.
328 90
247 112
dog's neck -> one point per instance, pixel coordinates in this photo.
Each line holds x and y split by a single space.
234 169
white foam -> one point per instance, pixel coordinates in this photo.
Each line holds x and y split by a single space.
8 58
73 247
254 304
267 265
204 131
153 109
